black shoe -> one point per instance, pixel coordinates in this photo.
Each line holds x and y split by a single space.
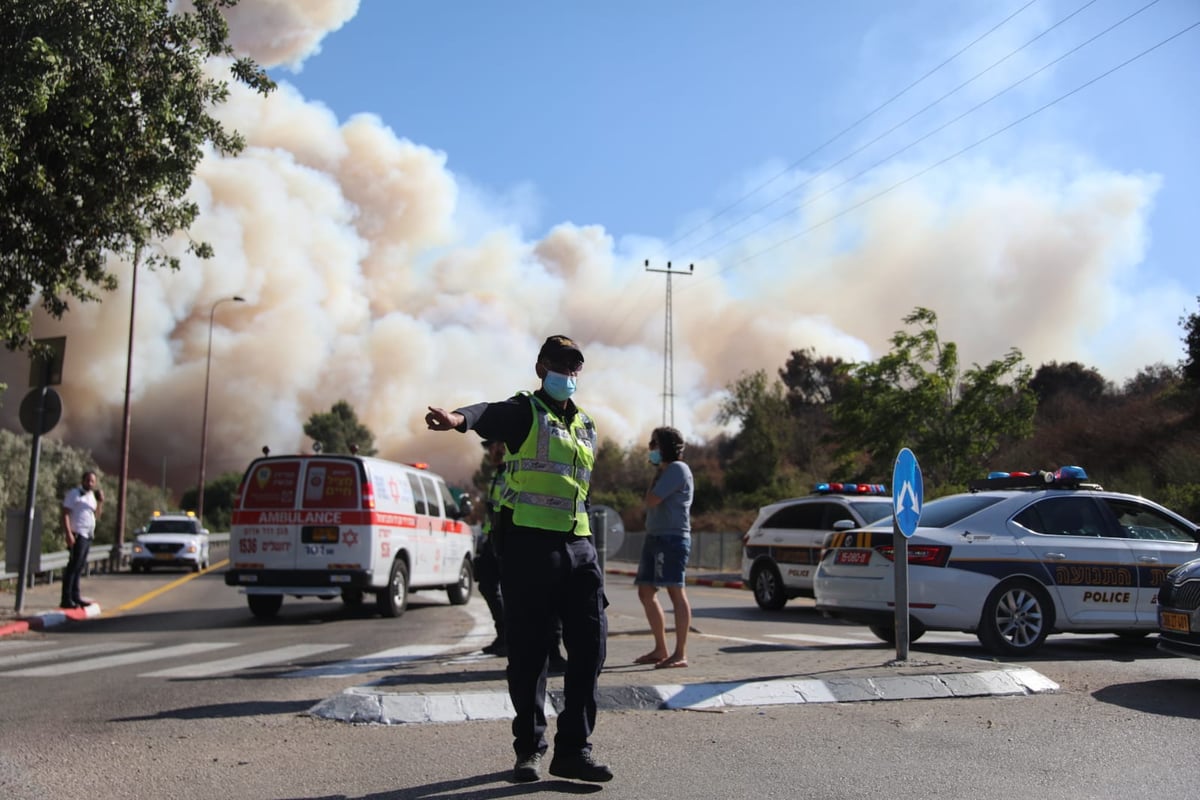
83 604
581 767
528 768
497 648
68 605
556 664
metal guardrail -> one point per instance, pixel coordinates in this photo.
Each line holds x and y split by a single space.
98 560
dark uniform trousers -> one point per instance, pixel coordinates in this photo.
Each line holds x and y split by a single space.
76 564
487 576
544 574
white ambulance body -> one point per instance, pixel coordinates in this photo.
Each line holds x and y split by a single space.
339 525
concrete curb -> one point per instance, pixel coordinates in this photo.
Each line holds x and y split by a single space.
361 705
49 619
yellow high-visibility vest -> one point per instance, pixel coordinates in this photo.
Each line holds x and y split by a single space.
547 479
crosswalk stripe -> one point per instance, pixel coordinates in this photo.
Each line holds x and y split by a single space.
386 659
13 659
282 654
121 659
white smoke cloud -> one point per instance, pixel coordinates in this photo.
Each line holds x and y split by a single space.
372 273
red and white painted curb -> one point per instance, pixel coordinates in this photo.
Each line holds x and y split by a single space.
48 619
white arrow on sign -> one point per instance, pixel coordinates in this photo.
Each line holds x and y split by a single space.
907 499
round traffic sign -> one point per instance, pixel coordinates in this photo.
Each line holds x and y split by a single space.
908 492
51 410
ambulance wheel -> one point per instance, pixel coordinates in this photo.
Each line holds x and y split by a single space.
264 606
352 597
887 633
768 587
394 599
460 592
1017 617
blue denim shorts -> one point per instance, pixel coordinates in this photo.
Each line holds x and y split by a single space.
664 560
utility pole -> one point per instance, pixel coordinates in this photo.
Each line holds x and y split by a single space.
668 346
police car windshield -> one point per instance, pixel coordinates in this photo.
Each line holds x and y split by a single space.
872 512
944 511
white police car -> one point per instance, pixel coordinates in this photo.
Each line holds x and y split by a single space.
781 549
170 540
1019 556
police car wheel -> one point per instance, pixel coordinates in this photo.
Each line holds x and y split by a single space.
1017 617
460 592
393 600
768 587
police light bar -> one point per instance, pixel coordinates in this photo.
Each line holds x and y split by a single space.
850 488
1067 477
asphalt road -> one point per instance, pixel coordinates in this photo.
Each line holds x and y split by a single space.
211 714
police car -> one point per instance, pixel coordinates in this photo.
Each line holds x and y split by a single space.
170 540
1019 556
781 549
1179 611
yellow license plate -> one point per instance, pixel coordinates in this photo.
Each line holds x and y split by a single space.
1172 621
164 556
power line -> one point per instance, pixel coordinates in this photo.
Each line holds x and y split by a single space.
960 152
855 124
891 130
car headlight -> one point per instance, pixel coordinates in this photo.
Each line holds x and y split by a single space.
137 549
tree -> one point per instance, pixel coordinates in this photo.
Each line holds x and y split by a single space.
1190 366
1071 380
104 115
339 430
814 386
916 397
218 500
759 447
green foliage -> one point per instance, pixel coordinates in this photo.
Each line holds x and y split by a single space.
104 115
916 397
1190 366
337 430
758 451
218 501
60 468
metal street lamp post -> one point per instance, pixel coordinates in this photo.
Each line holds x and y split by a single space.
204 418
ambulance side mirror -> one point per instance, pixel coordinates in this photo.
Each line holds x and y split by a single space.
465 507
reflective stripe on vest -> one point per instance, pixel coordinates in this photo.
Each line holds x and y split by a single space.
547 479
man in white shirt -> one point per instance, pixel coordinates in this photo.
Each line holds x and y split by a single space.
81 508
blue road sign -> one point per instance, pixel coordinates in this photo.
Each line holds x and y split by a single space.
908 492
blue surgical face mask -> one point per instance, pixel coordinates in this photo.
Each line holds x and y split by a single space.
655 457
559 386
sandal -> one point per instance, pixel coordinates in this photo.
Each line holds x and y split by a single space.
668 663
649 658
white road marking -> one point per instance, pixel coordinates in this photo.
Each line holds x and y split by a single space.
13 659
279 655
104 662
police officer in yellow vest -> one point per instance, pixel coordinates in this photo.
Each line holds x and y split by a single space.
548 563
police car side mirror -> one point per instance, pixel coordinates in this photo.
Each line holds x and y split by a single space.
845 525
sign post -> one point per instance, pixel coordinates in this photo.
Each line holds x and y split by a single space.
40 412
907 497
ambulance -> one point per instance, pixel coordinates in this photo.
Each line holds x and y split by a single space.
346 526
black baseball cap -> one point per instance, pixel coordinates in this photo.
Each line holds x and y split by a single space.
555 348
